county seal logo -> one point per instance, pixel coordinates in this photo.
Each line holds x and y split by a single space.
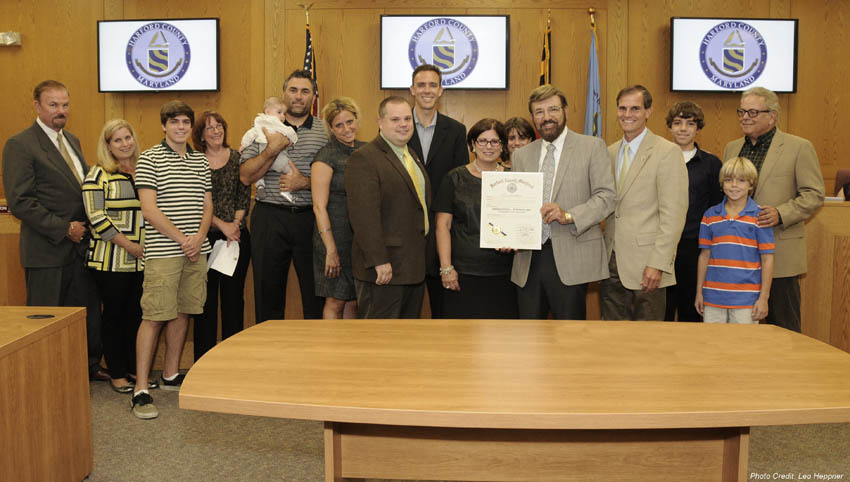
446 43
158 55
733 54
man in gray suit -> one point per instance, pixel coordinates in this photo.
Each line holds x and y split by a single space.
578 194
43 169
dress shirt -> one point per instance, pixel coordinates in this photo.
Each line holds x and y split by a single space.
756 153
426 134
54 138
559 147
634 145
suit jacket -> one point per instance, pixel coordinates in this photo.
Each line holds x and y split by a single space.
44 194
790 180
647 223
386 215
584 186
448 150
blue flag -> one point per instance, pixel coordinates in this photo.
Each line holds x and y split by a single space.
593 104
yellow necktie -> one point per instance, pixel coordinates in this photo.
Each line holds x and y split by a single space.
418 182
624 169
67 156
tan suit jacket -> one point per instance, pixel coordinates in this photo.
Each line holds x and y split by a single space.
584 187
386 215
791 181
647 223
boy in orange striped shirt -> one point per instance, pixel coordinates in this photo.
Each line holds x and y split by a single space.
735 265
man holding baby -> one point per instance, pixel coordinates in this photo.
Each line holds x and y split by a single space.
282 221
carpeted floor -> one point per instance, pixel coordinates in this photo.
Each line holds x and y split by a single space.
184 445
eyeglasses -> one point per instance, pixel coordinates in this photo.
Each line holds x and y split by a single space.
213 128
553 110
485 142
751 113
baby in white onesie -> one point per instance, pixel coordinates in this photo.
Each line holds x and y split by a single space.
272 119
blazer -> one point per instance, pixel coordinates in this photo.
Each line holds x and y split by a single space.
647 223
448 150
584 187
44 194
790 180
386 215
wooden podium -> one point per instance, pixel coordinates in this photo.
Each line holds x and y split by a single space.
513 400
45 411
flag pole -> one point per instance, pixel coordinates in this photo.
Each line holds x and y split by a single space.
592 11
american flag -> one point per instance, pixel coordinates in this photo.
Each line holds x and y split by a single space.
310 66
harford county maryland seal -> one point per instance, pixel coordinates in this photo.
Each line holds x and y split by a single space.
733 54
446 43
158 55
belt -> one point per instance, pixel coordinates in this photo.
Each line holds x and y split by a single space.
290 209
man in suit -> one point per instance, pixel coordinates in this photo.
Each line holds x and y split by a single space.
440 142
43 170
581 193
789 190
388 197
643 231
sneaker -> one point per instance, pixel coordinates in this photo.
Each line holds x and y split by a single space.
173 385
143 406
152 384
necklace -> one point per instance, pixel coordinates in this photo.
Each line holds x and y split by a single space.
477 168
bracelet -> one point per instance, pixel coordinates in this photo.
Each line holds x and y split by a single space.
322 231
447 270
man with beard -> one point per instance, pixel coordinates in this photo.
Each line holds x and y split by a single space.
43 170
440 142
388 196
644 230
578 194
282 230
790 189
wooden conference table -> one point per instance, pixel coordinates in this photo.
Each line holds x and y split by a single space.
526 400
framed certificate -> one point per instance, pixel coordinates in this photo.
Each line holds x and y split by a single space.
510 209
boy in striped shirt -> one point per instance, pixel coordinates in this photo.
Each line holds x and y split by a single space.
735 265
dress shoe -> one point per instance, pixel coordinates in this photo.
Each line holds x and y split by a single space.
152 384
122 389
99 375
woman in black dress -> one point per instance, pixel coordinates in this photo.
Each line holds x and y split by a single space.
332 235
478 280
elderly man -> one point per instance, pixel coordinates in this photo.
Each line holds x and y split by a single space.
43 170
578 194
643 232
282 229
388 198
789 190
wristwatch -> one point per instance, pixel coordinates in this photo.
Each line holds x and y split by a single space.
568 218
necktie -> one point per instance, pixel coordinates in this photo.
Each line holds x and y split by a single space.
548 179
418 182
624 169
67 156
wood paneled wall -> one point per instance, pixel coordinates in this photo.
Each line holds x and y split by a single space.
263 40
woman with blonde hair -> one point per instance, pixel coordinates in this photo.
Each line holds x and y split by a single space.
332 236
115 253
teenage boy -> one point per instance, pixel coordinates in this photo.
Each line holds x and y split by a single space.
685 121
736 263
174 185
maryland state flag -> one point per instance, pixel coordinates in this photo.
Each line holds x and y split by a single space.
310 66
593 104
546 59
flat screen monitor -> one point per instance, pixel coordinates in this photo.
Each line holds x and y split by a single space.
732 55
471 51
157 55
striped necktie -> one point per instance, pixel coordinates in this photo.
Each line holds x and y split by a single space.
418 182
548 180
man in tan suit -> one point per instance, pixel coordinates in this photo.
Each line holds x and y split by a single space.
580 195
388 196
789 190
644 230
